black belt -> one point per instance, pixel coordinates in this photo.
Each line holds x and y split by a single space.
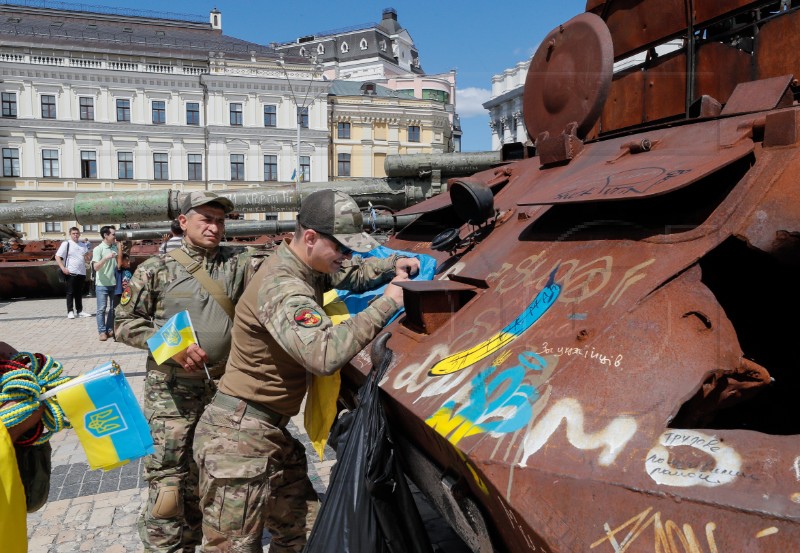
255 410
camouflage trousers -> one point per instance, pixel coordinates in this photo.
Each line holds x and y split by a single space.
170 520
252 475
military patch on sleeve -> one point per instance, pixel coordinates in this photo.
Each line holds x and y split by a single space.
307 317
126 296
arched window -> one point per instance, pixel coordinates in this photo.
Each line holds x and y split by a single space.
303 52
320 48
345 48
363 44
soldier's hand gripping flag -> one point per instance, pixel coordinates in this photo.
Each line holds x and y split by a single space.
106 416
175 336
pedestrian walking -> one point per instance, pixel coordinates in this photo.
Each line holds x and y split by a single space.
71 257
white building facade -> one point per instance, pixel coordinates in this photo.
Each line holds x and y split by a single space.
114 103
505 106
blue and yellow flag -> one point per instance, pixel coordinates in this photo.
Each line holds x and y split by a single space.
106 416
175 336
340 305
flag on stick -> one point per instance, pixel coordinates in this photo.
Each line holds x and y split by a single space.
106 416
175 336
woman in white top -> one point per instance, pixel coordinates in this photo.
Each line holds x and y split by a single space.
71 258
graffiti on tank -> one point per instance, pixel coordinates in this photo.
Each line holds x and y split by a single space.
579 281
522 531
668 536
589 352
612 439
466 358
497 402
722 464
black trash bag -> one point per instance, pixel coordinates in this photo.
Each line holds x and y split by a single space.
368 507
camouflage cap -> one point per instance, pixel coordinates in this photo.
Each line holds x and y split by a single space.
198 198
336 214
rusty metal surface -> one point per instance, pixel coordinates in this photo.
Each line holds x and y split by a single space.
635 24
705 11
612 376
760 95
720 84
608 170
568 78
778 47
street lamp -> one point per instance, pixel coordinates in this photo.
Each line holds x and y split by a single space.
301 106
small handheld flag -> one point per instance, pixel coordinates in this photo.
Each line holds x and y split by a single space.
175 336
106 416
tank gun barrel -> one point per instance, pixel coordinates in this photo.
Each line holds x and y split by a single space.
260 228
161 205
450 164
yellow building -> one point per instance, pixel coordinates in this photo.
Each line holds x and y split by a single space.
369 122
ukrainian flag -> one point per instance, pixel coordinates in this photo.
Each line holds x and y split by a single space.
175 336
340 305
106 416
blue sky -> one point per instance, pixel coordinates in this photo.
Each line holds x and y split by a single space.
477 39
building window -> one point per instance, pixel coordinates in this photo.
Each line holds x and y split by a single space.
50 163
160 167
344 165
10 162
123 110
192 113
343 130
270 168
125 165
9 104
86 108
48 106
52 227
270 116
302 117
363 44
435 95
88 165
344 48
236 115
159 112
195 167
413 133
320 48
89 228
305 168
237 166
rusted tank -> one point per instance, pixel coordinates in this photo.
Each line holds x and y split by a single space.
600 364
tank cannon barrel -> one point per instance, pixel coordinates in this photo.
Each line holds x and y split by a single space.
161 205
450 165
259 228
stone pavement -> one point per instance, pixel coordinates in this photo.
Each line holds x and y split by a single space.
97 511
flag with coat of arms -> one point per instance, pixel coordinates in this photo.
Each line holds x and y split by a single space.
176 335
106 416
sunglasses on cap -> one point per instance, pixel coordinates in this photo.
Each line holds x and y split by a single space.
341 248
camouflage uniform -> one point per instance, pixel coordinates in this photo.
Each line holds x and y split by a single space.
173 398
253 472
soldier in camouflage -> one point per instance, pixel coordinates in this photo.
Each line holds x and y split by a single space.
253 472
176 392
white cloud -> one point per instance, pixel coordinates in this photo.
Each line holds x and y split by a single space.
469 101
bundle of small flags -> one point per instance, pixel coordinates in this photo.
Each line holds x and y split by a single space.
106 416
